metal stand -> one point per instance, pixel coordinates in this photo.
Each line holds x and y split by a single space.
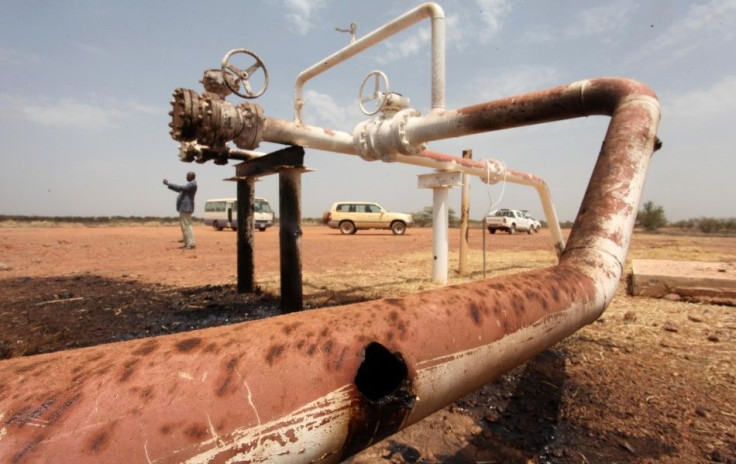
289 165
246 231
440 183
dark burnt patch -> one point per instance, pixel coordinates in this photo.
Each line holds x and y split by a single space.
274 353
475 313
555 294
167 429
147 393
327 348
227 377
341 358
99 440
128 370
20 455
288 328
401 327
146 348
188 344
57 413
113 310
211 347
196 432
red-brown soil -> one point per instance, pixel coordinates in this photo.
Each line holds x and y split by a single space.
650 381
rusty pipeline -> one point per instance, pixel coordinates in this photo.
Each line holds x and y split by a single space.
320 385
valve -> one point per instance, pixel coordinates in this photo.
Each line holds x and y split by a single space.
241 77
380 92
212 121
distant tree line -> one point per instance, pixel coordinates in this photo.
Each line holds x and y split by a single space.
91 220
651 217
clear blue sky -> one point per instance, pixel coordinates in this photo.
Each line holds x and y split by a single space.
85 88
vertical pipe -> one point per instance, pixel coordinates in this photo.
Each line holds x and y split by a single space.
483 231
438 58
439 237
246 268
290 239
464 213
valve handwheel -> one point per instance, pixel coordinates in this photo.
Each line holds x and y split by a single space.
242 76
378 94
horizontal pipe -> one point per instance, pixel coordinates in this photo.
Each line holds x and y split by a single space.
492 172
320 385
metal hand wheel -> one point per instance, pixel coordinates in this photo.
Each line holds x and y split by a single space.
379 95
242 76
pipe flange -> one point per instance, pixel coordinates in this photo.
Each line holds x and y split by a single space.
400 120
186 114
361 141
252 121
211 122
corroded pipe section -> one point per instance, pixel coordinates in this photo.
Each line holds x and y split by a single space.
320 385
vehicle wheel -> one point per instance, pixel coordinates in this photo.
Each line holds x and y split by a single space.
398 228
512 229
493 231
262 229
235 228
530 230
216 226
347 228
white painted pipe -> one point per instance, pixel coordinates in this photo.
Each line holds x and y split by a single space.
440 241
426 10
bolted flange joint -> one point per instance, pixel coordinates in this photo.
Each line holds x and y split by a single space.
383 138
213 121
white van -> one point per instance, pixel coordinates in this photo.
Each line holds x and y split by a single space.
223 212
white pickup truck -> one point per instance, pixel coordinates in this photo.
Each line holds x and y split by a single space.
510 220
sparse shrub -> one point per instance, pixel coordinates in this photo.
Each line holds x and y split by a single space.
424 218
651 217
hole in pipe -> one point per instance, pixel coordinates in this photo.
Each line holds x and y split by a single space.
381 372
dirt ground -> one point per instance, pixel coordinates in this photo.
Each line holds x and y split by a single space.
650 381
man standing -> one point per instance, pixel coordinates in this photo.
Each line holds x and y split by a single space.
185 207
